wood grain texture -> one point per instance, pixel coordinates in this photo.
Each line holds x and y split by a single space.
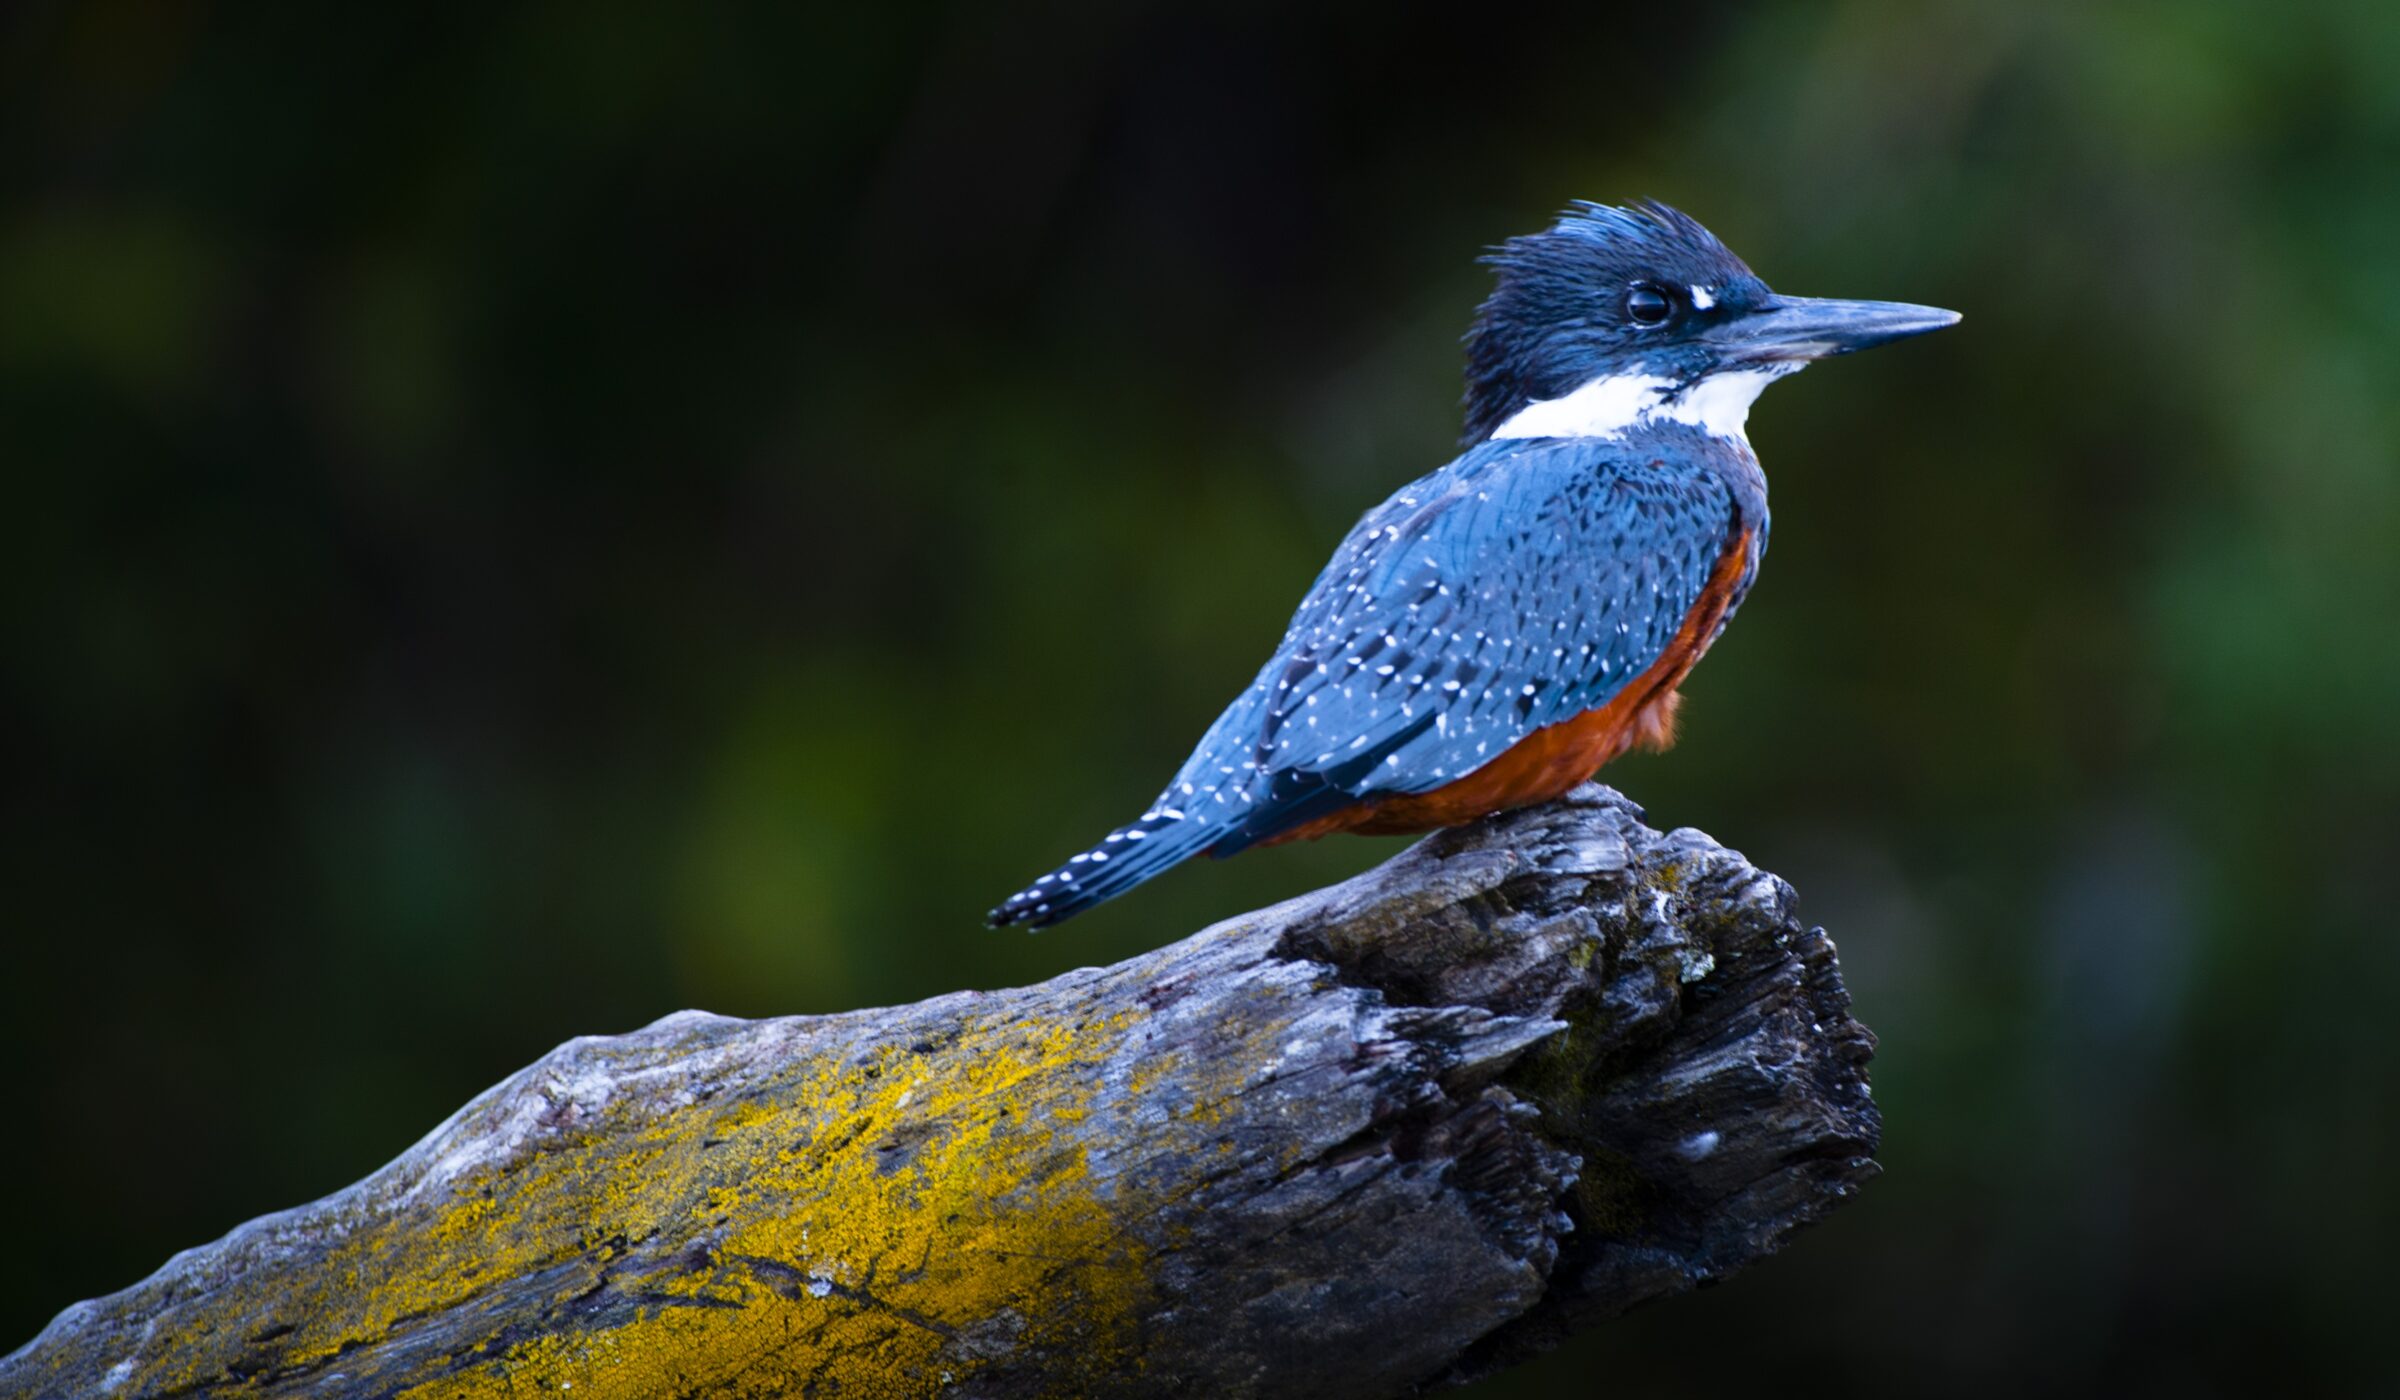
1393 1134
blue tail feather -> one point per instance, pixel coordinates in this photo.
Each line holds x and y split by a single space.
1166 837
1126 857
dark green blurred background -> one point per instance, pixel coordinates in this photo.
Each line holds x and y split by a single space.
522 524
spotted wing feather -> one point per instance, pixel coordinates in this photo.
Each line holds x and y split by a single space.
1523 584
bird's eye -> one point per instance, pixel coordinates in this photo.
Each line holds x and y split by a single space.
1648 306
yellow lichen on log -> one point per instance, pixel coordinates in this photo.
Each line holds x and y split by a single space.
1391 1134
877 1225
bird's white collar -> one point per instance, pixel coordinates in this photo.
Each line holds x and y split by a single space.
1610 405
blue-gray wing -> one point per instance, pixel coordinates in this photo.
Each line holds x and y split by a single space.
1522 585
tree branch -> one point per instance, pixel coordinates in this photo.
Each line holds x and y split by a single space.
1399 1132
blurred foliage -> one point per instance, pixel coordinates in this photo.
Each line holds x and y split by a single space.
527 521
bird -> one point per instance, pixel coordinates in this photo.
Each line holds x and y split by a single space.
1495 632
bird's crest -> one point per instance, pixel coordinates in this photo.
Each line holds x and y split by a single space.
1590 237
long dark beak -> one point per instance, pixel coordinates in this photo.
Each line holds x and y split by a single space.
1800 329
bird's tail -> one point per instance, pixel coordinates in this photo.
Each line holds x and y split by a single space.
1126 857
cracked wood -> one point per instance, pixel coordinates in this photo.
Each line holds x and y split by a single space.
1396 1133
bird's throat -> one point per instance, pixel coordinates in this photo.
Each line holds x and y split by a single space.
1614 404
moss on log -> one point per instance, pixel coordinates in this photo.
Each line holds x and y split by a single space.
1396 1133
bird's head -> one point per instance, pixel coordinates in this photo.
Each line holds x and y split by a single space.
1616 315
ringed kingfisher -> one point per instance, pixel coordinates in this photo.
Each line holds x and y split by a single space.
1495 632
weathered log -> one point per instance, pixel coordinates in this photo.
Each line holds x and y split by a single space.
1396 1133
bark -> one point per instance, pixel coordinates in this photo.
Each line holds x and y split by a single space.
1393 1134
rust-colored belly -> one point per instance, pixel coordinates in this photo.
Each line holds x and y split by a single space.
1555 758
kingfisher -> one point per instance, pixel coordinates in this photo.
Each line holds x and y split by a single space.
1497 631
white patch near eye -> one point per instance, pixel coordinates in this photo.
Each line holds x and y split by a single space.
1702 297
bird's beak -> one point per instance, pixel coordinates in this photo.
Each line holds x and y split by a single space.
1795 330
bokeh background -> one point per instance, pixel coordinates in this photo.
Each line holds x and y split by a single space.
525 521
